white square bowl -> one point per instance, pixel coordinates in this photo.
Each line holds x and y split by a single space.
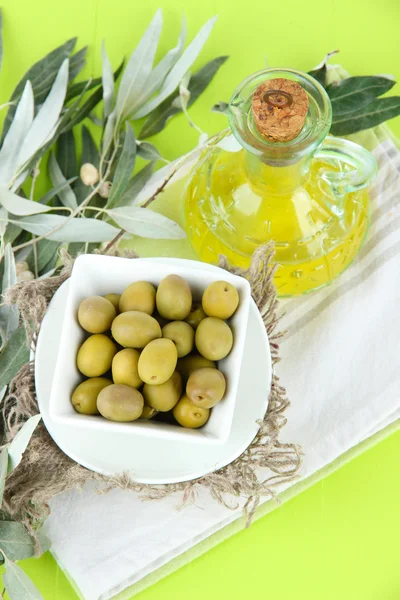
99 275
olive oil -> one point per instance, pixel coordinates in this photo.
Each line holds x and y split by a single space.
227 212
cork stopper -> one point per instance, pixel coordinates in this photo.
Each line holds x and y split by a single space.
279 107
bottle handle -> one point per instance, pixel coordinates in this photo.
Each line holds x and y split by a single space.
338 150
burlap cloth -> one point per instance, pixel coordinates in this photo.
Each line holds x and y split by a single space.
46 471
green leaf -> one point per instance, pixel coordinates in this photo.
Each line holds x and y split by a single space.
158 119
76 63
76 248
137 70
90 154
11 234
18 584
16 205
14 356
66 155
41 75
161 70
351 94
320 71
66 195
3 467
44 124
76 89
16 135
46 255
15 541
9 315
374 113
148 151
70 230
58 188
146 223
20 443
83 111
124 168
136 185
183 65
107 79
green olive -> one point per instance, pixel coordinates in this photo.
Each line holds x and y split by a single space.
95 314
134 329
174 298
196 315
140 295
188 364
157 361
85 395
220 300
181 334
125 368
148 412
120 403
189 415
164 397
114 299
95 355
214 338
206 387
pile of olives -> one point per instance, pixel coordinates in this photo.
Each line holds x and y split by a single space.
153 352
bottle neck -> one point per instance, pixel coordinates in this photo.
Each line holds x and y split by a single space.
274 179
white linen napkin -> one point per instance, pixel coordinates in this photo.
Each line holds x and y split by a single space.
339 368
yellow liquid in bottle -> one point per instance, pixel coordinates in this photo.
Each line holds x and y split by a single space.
315 236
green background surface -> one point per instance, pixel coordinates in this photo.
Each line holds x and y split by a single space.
338 539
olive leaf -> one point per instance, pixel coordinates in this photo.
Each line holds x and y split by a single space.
369 115
15 541
70 230
19 206
3 462
13 356
55 190
125 166
148 151
138 70
90 154
135 185
163 67
66 154
76 89
41 75
146 223
107 78
76 63
74 117
175 75
46 255
20 442
18 584
16 135
159 117
351 94
44 124
65 194
320 71
9 314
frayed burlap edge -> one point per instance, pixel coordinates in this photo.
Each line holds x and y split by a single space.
46 471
